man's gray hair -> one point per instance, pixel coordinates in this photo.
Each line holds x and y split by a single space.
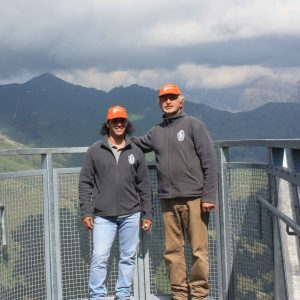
181 97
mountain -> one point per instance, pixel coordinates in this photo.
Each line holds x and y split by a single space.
248 96
49 112
266 91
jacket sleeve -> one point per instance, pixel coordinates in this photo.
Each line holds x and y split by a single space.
144 188
143 142
208 162
86 185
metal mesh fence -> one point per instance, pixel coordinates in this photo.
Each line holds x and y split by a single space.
159 283
23 273
76 243
22 248
214 275
251 235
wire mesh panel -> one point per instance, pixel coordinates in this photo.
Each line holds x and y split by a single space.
22 247
76 243
251 235
45 251
214 283
159 283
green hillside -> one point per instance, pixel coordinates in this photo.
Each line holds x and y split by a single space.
31 162
15 163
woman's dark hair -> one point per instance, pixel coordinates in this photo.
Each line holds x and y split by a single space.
129 129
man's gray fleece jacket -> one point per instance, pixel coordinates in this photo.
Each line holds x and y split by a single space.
111 188
185 157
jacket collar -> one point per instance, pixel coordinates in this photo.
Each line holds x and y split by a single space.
172 119
104 141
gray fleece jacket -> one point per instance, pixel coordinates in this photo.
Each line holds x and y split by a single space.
111 188
185 157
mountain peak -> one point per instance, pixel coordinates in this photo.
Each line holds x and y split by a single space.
46 78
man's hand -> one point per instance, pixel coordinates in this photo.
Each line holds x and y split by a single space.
88 222
207 207
146 224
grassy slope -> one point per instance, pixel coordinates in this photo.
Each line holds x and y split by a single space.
15 163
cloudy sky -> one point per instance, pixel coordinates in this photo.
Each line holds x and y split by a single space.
195 43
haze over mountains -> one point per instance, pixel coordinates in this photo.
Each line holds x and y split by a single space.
249 96
49 112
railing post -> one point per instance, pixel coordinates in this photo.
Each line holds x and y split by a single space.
223 251
276 156
52 246
293 244
3 235
142 283
293 163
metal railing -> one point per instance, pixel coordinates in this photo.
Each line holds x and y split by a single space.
253 233
260 259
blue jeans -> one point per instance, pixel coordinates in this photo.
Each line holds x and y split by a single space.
104 233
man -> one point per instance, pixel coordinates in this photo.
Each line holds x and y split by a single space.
187 185
115 175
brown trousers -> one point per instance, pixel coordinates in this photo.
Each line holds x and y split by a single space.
183 216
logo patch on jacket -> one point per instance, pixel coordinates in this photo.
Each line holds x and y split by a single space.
180 135
131 159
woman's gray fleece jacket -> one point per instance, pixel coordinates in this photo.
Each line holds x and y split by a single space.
111 188
185 157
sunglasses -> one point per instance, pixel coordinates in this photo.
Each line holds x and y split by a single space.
168 96
118 120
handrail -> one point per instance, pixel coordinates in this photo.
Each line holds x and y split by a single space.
277 143
292 224
34 151
274 143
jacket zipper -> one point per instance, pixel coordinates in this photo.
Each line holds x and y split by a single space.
169 135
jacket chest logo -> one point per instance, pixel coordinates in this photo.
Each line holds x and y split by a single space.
131 159
180 135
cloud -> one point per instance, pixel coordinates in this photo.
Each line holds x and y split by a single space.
103 43
190 76
196 76
220 21
107 80
155 23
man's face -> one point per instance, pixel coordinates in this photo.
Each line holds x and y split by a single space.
117 126
171 104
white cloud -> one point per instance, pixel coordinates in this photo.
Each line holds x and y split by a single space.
288 75
218 21
107 80
106 43
100 80
156 23
201 76
190 76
